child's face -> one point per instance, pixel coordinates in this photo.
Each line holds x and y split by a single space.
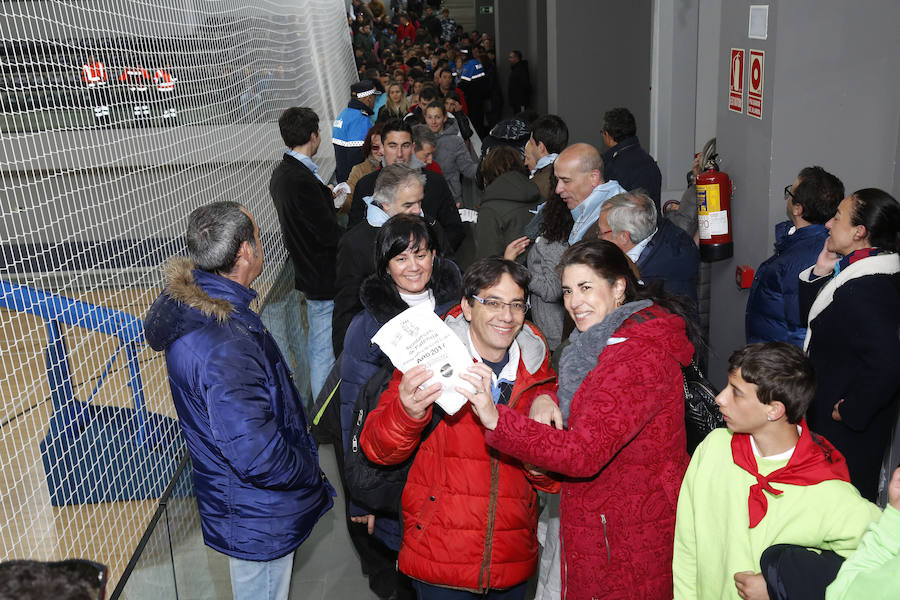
740 406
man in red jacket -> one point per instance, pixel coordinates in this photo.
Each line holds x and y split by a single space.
469 513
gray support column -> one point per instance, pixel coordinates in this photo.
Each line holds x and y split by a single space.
673 123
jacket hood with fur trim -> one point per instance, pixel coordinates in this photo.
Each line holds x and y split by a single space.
191 300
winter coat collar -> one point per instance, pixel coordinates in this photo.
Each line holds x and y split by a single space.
355 103
532 347
883 264
381 299
784 238
626 144
192 299
512 186
580 357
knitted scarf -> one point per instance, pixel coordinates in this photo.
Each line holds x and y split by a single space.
583 351
814 460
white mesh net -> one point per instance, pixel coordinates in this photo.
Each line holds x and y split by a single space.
118 118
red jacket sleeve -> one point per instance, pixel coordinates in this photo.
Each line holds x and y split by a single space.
390 435
616 400
542 482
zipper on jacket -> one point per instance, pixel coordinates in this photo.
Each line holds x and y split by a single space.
605 538
354 441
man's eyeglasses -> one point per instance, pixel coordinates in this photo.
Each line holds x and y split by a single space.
496 306
788 193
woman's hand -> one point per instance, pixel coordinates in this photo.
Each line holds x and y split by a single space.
479 375
415 401
825 261
516 247
544 410
368 520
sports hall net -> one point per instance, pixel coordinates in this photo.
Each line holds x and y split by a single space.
117 118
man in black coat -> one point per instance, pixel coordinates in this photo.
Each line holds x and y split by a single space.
306 212
625 161
519 86
397 140
661 250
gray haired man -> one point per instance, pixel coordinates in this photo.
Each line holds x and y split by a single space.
259 487
661 250
398 189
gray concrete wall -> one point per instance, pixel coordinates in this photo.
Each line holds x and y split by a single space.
673 122
830 98
599 57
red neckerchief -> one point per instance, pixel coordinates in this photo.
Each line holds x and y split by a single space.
814 460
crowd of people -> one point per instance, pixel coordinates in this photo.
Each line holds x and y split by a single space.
569 461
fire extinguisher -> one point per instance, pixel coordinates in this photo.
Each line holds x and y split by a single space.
714 193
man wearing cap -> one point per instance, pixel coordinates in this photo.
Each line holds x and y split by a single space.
350 128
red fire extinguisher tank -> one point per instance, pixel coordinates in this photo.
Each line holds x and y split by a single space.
714 192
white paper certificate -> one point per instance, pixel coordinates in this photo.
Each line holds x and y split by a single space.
418 336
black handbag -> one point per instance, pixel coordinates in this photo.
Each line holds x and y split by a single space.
373 486
701 413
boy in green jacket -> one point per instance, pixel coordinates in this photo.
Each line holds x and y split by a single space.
765 480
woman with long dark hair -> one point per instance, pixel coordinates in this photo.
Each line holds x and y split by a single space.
622 451
851 298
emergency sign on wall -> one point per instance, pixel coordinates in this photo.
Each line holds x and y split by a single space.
755 85
736 87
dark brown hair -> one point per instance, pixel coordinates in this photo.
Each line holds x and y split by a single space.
781 372
499 160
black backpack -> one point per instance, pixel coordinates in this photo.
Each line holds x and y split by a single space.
325 411
373 486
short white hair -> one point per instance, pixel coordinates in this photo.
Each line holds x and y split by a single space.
634 212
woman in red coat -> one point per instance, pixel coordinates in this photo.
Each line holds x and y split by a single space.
622 450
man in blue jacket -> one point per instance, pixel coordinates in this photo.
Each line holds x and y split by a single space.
661 250
348 132
773 313
259 487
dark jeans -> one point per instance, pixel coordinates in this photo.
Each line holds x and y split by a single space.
796 573
426 591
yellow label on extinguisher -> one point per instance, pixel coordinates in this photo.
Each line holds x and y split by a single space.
708 199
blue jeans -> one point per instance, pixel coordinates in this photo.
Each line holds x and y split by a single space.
321 352
261 580
283 320
426 591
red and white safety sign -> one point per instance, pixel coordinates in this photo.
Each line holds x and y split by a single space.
736 87
755 86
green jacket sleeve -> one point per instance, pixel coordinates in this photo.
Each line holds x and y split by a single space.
873 571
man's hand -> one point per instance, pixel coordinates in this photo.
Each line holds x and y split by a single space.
751 586
835 414
544 410
894 489
415 401
825 261
516 247
369 520
479 375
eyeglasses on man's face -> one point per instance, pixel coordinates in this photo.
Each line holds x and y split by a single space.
494 305
788 193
